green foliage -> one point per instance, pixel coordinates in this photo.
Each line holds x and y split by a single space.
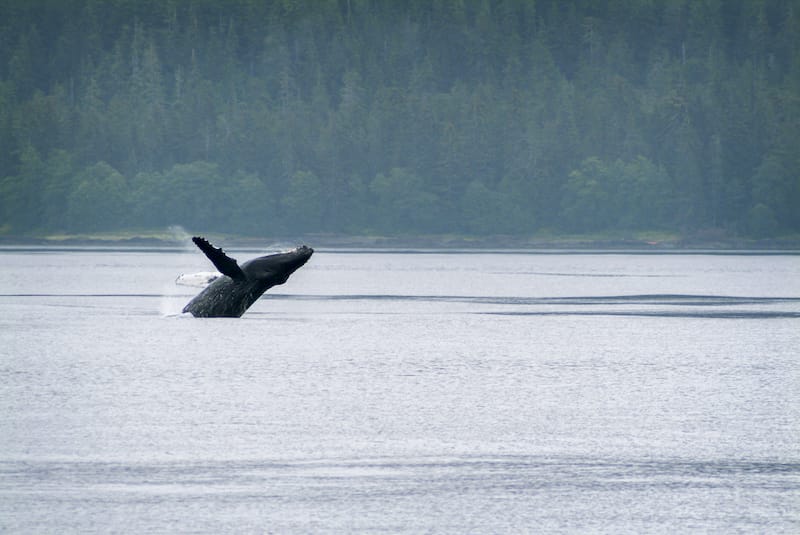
192 195
620 196
418 117
59 175
98 200
20 193
186 194
36 198
490 212
253 206
402 202
776 186
586 204
481 208
644 195
761 221
303 203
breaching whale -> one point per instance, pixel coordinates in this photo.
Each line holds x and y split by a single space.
231 295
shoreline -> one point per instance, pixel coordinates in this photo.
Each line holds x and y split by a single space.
666 244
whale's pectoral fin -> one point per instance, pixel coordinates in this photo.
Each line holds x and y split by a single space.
224 263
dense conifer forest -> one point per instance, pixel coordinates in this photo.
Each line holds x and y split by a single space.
473 117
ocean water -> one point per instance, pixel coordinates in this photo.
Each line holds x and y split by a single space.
402 391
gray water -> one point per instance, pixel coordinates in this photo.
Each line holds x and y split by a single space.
402 392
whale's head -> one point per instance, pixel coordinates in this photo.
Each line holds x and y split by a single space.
276 268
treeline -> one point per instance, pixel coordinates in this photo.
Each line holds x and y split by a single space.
422 116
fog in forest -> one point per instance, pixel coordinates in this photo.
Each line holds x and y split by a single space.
400 118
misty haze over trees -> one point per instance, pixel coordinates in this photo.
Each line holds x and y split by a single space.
421 116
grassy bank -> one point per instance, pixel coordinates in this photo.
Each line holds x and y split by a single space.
645 240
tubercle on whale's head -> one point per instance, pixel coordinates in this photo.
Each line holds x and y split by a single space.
304 250
300 256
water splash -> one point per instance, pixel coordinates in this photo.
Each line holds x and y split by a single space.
178 233
172 301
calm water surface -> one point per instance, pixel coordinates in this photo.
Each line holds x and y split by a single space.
406 392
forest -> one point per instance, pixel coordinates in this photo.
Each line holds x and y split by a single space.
415 117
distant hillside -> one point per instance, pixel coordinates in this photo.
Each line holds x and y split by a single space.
414 117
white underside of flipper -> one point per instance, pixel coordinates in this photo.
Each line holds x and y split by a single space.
198 280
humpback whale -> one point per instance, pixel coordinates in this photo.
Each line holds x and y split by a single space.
230 295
